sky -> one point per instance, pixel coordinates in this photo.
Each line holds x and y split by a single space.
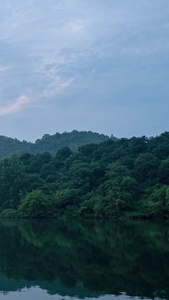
84 64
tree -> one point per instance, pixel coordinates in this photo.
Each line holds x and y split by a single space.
11 181
35 205
146 166
163 171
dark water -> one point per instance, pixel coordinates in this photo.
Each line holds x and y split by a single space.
63 260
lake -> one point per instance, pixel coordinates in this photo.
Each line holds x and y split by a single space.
78 260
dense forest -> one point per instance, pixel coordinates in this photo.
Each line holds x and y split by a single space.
50 143
127 178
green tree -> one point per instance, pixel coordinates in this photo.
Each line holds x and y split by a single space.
11 181
163 171
35 205
146 166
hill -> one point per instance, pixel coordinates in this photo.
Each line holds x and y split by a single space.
50 143
127 178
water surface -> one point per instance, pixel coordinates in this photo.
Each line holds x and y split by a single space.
74 260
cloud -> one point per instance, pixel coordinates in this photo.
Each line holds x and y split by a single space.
13 108
3 69
55 88
75 26
111 51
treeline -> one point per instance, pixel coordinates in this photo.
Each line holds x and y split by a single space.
50 143
128 178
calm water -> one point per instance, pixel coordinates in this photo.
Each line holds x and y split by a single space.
73 260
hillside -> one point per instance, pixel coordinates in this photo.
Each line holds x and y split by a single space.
50 143
127 178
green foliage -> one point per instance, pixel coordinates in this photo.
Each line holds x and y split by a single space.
11 181
34 205
64 198
146 166
126 178
9 213
50 143
163 171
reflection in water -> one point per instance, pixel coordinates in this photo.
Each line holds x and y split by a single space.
85 260
37 293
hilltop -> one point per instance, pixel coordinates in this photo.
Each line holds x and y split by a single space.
50 143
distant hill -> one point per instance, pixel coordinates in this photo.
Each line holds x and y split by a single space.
50 143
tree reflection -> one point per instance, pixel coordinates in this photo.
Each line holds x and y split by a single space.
101 257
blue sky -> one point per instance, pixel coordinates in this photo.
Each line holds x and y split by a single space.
84 64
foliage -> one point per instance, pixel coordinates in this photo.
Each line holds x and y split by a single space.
35 204
127 178
50 143
9 213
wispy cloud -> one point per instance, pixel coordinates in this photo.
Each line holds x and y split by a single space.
76 26
3 69
15 107
111 51
51 91
55 88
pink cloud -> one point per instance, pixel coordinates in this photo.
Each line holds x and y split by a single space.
13 108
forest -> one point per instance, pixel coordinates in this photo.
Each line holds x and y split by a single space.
50 143
125 178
